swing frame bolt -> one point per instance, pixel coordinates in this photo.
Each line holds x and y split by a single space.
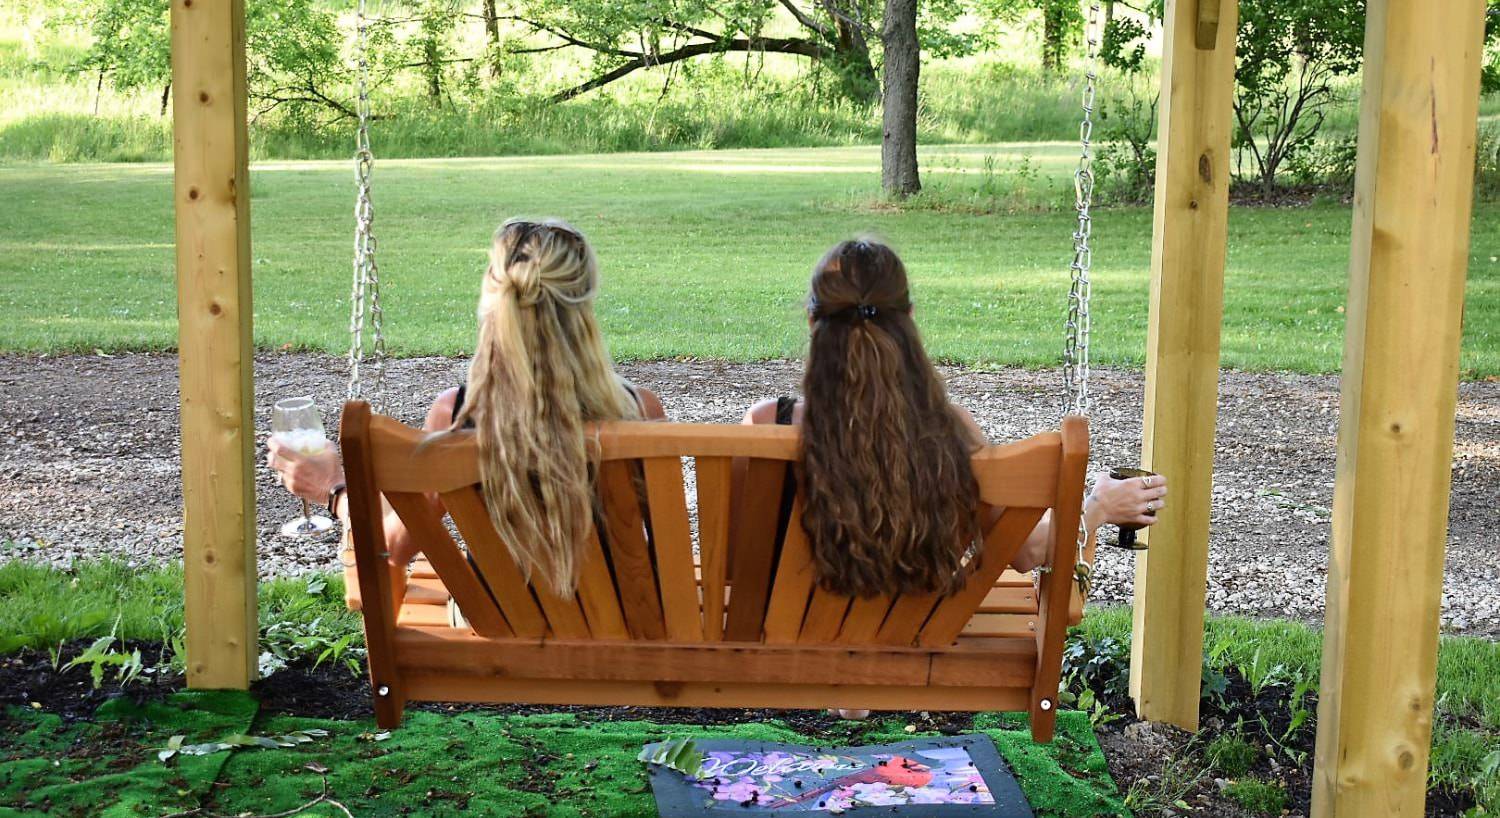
1045 705
382 691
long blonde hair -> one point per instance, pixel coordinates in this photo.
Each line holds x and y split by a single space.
540 373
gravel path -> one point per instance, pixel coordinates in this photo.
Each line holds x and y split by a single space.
91 465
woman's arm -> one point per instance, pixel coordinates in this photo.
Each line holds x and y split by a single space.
313 477
1111 501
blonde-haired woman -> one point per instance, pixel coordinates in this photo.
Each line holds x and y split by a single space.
540 373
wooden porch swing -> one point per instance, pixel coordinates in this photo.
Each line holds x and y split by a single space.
653 625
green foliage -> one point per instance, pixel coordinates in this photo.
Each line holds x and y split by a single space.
436 765
1231 755
1263 797
1125 164
679 754
101 655
111 603
177 745
131 41
1289 55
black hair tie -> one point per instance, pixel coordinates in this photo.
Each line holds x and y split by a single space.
867 311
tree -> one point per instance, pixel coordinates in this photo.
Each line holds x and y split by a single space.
1061 23
291 53
902 67
1289 54
132 44
626 36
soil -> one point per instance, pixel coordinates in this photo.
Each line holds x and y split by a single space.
90 468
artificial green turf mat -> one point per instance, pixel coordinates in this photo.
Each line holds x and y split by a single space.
439 765
108 767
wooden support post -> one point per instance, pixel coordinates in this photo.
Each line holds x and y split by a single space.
212 195
1412 198
1182 358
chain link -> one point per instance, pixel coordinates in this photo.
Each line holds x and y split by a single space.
364 298
1076 345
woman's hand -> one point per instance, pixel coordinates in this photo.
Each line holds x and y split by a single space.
309 476
1132 501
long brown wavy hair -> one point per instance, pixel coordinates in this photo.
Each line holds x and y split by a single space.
540 373
890 493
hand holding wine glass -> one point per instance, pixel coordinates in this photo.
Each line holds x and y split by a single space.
296 436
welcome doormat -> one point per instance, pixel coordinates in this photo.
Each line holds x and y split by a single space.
949 776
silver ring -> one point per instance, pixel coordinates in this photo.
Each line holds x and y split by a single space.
1146 480
1150 506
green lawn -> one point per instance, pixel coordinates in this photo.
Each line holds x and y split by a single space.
705 254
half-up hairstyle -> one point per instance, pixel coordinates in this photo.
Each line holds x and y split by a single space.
890 492
540 373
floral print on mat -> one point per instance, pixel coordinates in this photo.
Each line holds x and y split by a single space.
796 782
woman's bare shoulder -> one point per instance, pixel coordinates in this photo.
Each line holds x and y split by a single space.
651 408
440 415
969 423
761 412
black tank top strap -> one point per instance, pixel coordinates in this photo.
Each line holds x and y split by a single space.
458 400
785 407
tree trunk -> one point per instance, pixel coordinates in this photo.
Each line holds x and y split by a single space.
166 97
434 71
852 61
903 64
1052 35
492 33
851 56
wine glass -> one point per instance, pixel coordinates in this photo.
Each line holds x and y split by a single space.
297 424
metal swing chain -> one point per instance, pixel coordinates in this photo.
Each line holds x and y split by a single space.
364 298
1076 345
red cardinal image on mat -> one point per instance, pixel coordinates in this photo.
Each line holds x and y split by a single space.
897 771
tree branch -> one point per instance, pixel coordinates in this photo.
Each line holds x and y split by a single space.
801 17
775 45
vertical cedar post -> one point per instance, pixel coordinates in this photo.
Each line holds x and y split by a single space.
212 191
1182 356
1412 198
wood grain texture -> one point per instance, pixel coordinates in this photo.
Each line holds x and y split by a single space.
452 567
598 595
1057 586
642 627
211 192
379 600
635 576
1409 258
447 687
1182 359
489 552
792 584
672 538
825 617
864 619
753 548
713 539
1004 539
